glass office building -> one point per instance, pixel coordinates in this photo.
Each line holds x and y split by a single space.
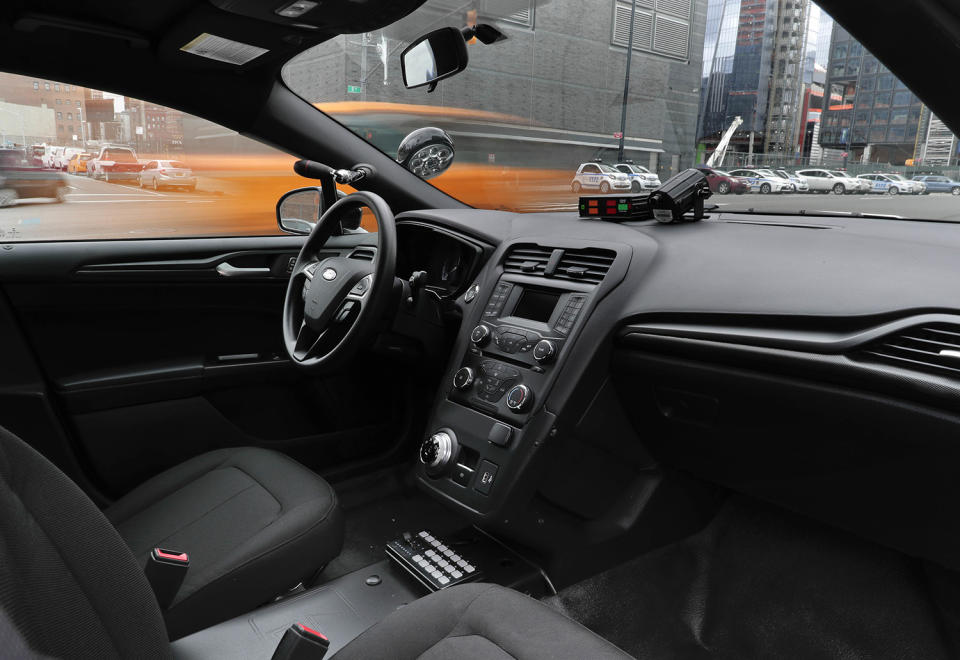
869 113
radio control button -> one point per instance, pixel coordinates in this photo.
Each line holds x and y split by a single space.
544 351
463 379
480 335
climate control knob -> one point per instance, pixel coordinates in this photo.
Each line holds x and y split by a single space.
544 351
480 335
463 379
438 451
519 398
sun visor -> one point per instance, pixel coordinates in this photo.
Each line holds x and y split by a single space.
340 16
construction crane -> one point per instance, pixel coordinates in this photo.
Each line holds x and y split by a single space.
716 158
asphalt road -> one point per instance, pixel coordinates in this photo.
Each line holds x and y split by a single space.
238 205
100 210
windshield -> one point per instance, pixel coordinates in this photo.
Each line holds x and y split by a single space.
119 155
608 169
777 82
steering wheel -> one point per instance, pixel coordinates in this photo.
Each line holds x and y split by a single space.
334 302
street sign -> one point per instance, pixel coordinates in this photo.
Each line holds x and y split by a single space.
618 135
354 89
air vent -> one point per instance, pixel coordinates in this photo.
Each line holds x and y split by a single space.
528 259
934 348
588 265
363 254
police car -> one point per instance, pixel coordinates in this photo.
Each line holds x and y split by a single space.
599 176
891 184
640 177
764 181
799 183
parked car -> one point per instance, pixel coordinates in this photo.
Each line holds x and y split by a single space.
115 164
599 176
159 174
891 184
764 181
799 183
723 183
19 178
826 181
62 158
78 163
50 155
640 177
939 184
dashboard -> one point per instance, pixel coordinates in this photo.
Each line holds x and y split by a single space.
810 362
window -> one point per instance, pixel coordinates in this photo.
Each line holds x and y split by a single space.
56 87
66 88
46 86
591 169
885 82
898 116
862 117
870 64
78 103
224 165
901 98
878 134
882 100
880 116
58 101
36 85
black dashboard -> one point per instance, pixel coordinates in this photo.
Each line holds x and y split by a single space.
812 362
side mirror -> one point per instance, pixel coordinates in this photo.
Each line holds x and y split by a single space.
433 57
427 152
298 211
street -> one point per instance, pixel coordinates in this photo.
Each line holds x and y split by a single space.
243 204
99 210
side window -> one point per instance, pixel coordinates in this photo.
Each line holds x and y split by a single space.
229 187
591 169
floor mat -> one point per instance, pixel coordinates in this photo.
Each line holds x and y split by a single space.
759 582
378 508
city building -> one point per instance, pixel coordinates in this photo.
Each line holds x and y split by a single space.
937 146
521 101
872 116
760 62
64 100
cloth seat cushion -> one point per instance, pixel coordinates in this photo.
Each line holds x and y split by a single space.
478 622
253 521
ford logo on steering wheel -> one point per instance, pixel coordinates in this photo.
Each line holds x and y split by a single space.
329 274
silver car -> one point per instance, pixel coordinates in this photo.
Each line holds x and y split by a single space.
159 174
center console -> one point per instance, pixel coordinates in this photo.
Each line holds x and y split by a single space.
523 320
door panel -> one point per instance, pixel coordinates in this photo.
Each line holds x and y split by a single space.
148 353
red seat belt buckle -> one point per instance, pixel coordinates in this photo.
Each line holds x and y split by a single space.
165 571
301 643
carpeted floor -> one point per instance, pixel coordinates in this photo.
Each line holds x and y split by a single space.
759 582
379 508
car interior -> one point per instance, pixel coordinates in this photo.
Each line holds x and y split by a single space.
470 433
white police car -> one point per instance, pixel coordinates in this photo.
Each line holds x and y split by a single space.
891 184
764 181
599 176
640 177
799 183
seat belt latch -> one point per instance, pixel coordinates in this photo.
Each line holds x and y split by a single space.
165 571
301 643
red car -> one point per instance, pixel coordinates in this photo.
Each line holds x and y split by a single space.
723 183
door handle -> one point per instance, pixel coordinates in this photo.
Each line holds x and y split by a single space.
227 270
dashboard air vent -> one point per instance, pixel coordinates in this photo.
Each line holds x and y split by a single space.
363 254
586 265
934 348
528 259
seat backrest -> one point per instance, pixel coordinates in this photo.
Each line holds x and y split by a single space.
68 583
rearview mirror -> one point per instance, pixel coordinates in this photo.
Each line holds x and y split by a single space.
298 211
433 57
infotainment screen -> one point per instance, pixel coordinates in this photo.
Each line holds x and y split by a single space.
536 305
